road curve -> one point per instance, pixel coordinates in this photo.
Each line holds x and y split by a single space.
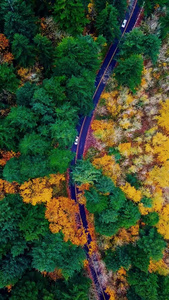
83 128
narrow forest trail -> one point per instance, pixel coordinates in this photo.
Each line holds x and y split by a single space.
83 129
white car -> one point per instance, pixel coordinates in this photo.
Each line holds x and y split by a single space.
124 23
76 140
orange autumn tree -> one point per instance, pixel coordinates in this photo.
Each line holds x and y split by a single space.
7 155
7 188
55 275
61 212
40 190
5 55
36 191
109 291
126 236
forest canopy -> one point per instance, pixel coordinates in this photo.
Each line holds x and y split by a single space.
50 55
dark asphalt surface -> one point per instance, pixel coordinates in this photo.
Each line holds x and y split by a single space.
84 125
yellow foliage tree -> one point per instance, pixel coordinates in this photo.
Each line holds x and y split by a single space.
104 130
159 176
40 190
111 293
163 224
131 192
108 165
125 148
36 191
158 199
161 147
55 275
163 118
112 103
144 210
158 266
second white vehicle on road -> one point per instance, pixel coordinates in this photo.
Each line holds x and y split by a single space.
76 140
124 23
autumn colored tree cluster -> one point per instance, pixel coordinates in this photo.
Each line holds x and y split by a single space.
5 55
132 150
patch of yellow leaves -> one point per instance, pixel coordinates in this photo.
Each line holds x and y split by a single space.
125 148
131 193
158 266
7 188
108 165
163 224
161 146
111 293
104 130
40 190
159 176
163 118
36 191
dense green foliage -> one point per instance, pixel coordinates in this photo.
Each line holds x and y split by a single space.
136 42
151 219
111 211
34 286
107 23
128 72
18 17
79 68
115 259
108 17
36 119
52 252
135 46
150 245
148 286
85 172
8 80
120 5
22 50
70 16
44 51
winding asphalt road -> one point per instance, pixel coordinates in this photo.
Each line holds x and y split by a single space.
83 128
